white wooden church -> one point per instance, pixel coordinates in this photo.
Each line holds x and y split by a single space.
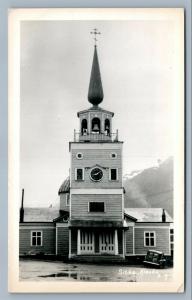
92 222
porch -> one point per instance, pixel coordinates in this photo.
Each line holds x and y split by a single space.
96 242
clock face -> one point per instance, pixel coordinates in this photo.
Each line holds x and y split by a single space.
96 174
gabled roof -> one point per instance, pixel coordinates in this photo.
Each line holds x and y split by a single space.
40 214
64 215
130 217
147 214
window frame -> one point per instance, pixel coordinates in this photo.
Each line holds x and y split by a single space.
111 155
67 197
117 175
97 212
41 236
78 154
171 242
154 233
83 175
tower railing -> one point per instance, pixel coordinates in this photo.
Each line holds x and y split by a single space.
95 137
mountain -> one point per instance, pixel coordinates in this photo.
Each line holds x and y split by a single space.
152 187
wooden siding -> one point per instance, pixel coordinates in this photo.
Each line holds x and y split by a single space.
91 157
129 241
73 241
152 224
48 242
113 207
162 240
62 241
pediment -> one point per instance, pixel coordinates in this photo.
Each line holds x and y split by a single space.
97 166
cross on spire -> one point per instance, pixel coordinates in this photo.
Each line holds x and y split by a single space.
95 32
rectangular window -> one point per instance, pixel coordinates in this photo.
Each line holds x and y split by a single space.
36 238
113 175
67 199
96 207
149 239
171 235
79 174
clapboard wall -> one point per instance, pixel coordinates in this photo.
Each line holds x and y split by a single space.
96 154
62 240
48 238
162 239
113 207
73 241
129 241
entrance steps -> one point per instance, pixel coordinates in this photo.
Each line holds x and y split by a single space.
109 259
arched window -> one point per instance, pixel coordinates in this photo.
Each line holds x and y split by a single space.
84 127
107 127
96 125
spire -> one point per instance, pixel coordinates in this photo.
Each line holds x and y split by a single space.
95 93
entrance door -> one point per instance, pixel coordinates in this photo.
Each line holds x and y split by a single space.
87 242
106 242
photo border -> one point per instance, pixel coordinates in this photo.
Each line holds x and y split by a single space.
3 124
16 18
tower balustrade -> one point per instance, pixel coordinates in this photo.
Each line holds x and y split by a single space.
95 137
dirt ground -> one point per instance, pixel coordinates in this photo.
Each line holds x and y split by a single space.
36 270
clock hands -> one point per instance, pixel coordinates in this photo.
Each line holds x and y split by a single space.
98 172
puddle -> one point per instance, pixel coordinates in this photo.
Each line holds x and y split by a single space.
75 276
61 274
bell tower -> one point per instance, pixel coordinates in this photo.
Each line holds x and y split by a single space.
95 122
96 191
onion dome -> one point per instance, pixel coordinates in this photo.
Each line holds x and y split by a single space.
95 93
65 187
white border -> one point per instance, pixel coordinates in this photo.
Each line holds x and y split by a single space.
15 17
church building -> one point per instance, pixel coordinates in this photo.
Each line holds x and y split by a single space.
92 222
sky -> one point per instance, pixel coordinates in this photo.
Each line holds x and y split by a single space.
137 64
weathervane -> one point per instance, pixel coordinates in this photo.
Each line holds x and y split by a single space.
95 32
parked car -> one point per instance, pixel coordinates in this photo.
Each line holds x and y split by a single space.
155 258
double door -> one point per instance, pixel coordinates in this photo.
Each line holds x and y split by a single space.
87 242
104 242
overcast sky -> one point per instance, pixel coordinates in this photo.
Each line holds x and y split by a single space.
137 69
